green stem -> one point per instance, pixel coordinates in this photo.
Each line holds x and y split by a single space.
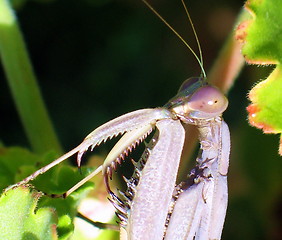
23 85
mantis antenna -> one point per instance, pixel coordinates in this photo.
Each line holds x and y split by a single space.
194 31
200 60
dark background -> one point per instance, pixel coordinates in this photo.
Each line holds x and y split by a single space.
96 60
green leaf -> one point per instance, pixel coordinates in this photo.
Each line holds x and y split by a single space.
20 220
16 163
66 208
262 38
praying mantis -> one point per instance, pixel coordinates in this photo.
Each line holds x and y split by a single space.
154 206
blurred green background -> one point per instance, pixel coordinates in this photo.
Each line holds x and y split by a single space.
96 60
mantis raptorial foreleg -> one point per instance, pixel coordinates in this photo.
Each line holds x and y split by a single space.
147 211
156 184
120 125
152 208
125 145
200 207
124 123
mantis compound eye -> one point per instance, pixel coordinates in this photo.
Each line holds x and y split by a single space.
207 102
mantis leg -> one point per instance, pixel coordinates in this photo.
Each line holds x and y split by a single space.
220 192
187 212
119 125
148 211
100 225
79 184
199 209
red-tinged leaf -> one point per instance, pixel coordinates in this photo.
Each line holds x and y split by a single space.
262 44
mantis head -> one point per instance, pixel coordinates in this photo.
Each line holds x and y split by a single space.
196 99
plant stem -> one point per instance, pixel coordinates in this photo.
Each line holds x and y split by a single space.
23 85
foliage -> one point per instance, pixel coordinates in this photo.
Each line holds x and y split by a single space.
96 60
15 164
23 222
262 39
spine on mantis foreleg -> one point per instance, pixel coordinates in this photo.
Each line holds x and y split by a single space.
152 198
199 205
120 125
